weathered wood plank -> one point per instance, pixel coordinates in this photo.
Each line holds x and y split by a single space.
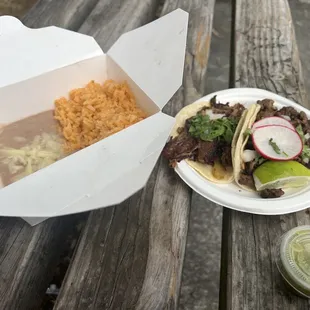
111 18
131 256
28 258
266 56
15 7
65 13
29 255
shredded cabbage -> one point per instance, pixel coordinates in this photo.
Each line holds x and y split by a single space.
44 150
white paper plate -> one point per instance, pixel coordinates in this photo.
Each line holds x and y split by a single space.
232 196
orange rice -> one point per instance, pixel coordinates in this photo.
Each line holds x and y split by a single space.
95 112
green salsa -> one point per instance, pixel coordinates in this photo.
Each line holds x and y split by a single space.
294 260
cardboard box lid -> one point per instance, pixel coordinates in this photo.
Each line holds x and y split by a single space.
143 52
149 60
26 53
158 54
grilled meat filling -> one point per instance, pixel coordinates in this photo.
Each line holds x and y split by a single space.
271 193
185 146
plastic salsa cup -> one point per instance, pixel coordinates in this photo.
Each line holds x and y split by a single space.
293 259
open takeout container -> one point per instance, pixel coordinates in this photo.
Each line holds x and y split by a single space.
41 65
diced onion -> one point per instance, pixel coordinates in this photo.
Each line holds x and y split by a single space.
214 115
286 117
307 136
248 155
306 160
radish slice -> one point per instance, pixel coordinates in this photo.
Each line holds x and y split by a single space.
276 142
273 120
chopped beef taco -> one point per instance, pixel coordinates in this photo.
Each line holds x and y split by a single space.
273 150
204 135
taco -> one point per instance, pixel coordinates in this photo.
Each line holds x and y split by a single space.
204 135
273 150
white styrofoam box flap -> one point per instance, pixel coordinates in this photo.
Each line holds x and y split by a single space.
153 55
100 175
26 53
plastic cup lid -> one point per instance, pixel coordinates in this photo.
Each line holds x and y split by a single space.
295 258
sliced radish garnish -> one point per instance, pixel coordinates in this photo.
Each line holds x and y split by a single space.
277 142
273 120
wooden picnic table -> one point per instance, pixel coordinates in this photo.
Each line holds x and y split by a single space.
130 256
265 55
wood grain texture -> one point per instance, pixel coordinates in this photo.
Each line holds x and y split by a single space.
15 7
131 256
68 14
29 255
266 56
111 18
28 258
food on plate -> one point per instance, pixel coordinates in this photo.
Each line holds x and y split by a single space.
273 150
24 149
205 134
95 112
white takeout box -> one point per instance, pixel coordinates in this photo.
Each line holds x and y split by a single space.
40 65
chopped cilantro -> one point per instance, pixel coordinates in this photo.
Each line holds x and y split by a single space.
274 146
202 127
259 160
301 133
247 132
305 154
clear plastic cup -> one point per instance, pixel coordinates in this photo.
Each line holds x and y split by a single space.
293 259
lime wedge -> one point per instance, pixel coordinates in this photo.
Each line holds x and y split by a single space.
281 174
